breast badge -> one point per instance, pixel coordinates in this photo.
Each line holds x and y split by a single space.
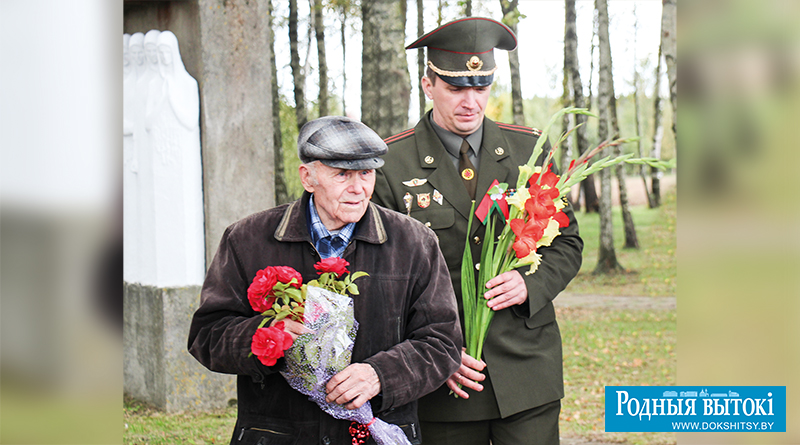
468 173
437 197
416 182
407 199
423 200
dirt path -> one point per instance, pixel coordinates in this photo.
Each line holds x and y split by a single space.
615 302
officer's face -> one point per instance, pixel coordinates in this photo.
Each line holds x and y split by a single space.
457 109
340 196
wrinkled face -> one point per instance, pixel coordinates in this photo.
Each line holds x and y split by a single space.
340 196
457 109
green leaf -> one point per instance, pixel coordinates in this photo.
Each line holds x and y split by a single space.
359 274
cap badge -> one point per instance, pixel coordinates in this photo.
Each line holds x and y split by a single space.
429 159
474 63
414 182
423 200
468 174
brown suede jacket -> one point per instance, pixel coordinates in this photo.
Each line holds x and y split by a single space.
408 320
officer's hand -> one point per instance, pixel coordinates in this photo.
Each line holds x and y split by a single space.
506 290
292 328
352 387
468 375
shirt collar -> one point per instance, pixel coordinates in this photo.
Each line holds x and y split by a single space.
319 232
452 141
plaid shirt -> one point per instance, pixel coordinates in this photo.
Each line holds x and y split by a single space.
328 244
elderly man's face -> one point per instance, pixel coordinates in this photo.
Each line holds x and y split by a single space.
459 110
340 196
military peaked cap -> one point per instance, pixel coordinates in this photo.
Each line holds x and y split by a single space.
462 52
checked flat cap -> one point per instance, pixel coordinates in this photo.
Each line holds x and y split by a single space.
461 52
340 142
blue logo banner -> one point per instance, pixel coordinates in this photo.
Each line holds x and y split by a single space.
695 408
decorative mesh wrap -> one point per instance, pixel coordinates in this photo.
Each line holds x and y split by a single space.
316 357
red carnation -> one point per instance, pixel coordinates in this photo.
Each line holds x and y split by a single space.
269 343
261 288
285 274
334 265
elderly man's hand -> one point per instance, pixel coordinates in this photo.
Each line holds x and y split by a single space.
506 290
468 375
292 328
352 387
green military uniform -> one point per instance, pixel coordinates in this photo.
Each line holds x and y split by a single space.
522 351
523 345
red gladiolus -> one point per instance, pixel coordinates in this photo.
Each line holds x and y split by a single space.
527 234
269 343
334 265
561 217
549 179
540 204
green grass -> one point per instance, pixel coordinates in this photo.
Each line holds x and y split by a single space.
613 348
649 271
145 425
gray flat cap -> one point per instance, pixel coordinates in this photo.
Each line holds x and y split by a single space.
340 142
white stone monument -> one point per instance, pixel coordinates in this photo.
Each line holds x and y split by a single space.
129 161
172 120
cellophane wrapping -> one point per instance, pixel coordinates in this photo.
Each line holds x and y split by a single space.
316 357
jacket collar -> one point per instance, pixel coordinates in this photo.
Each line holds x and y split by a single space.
432 155
294 224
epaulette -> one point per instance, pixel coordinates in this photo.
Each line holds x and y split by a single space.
399 136
520 128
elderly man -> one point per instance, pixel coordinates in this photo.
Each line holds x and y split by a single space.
511 396
409 338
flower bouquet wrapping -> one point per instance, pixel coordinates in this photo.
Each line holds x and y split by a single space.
325 308
533 214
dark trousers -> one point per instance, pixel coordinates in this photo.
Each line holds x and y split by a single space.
536 426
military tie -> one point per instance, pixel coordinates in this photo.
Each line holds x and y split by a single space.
467 170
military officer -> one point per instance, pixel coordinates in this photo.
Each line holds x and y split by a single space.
432 173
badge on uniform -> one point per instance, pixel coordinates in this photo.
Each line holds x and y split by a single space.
414 182
423 200
437 197
407 199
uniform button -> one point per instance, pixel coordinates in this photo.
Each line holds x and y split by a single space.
428 224
477 240
326 440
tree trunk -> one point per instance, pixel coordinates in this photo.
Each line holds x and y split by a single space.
591 203
631 240
607 256
637 103
658 134
319 30
420 58
297 71
510 19
467 8
669 47
385 81
343 14
281 191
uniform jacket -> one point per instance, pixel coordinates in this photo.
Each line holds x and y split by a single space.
406 310
523 346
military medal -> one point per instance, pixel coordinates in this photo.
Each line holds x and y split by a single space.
423 200
407 199
414 182
438 197
468 174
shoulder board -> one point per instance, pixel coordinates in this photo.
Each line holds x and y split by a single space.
399 136
519 128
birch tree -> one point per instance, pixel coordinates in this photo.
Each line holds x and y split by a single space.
281 191
606 256
319 32
297 70
511 18
385 81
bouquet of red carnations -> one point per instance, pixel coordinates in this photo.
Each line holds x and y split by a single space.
324 307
